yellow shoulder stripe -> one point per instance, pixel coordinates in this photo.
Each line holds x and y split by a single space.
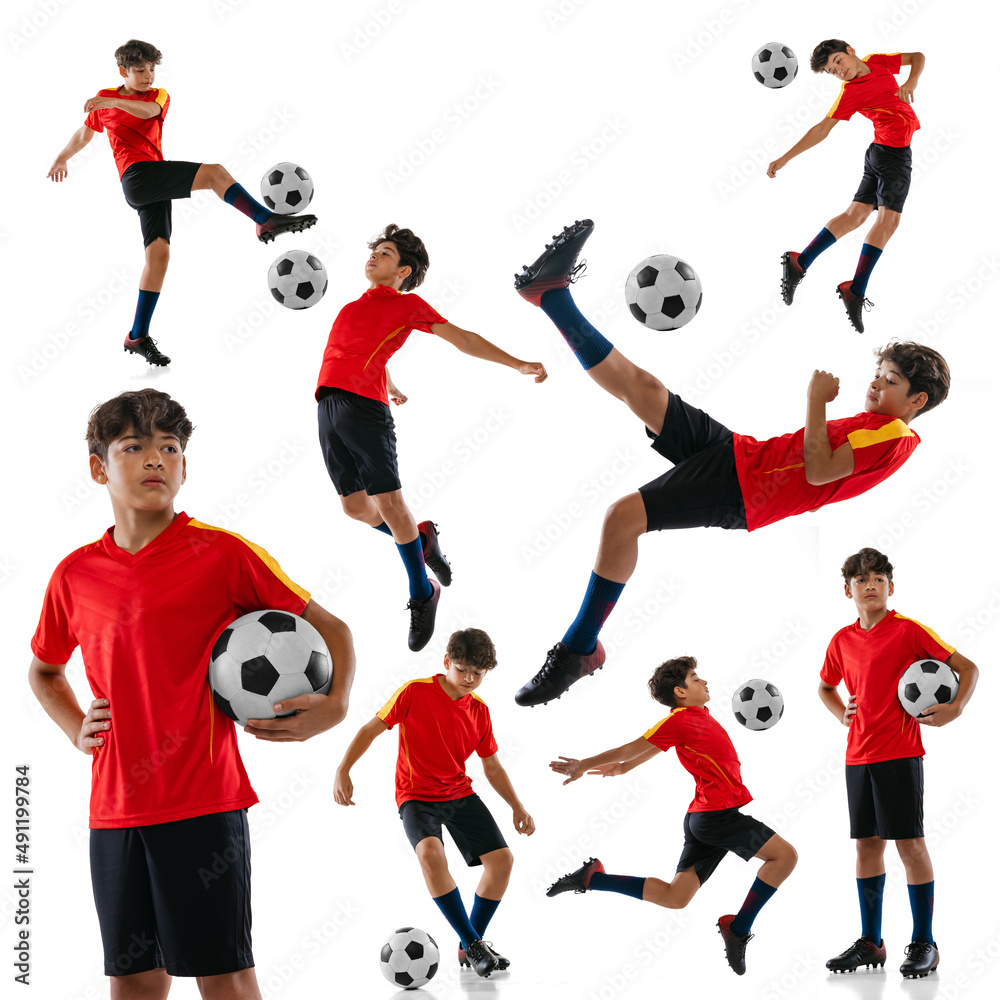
929 631
864 438
649 732
161 97
387 707
829 113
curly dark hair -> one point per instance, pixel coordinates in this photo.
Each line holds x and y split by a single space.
923 367
137 53
472 647
141 412
823 51
864 562
412 253
668 675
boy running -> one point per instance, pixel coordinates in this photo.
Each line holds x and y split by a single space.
870 88
885 776
441 722
713 824
133 116
720 479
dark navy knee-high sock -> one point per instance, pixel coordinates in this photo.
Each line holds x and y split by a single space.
866 262
450 904
384 528
238 196
626 885
412 554
760 892
870 899
482 913
922 909
585 341
823 241
598 603
143 314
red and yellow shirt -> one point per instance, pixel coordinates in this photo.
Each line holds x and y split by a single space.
875 96
133 140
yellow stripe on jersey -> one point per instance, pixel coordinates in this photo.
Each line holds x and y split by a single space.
650 732
387 707
829 113
394 333
161 97
865 438
929 631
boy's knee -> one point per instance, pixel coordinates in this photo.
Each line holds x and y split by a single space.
355 506
626 516
502 862
158 251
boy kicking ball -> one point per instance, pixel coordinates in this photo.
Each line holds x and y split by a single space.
713 825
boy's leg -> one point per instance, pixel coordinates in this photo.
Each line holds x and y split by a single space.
153 985
674 895
921 954
240 985
779 859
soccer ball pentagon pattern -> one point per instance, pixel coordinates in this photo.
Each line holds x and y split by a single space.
409 958
758 704
265 657
774 65
926 683
286 188
297 279
663 292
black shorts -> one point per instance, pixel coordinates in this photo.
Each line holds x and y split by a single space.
709 835
150 186
174 895
886 799
358 438
469 822
702 489
886 180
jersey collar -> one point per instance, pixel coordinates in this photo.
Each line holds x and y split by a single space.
381 290
163 538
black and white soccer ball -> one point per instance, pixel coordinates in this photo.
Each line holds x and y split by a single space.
297 279
758 704
286 188
774 65
409 958
264 657
663 292
926 683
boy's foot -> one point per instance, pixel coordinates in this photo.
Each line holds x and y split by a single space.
921 960
278 224
146 348
422 614
864 952
736 944
463 959
854 304
562 668
433 556
483 959
578 881
557 266
791 274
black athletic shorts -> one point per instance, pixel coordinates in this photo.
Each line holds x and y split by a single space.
174 895
709 835
886 799
702 489
469 822
358 438
149 187
886 180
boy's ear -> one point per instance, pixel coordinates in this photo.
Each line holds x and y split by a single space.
447 661
918 400
97 472
847 589
405 272
122 72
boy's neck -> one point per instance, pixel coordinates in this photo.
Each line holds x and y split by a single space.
869 619
135 529
451 691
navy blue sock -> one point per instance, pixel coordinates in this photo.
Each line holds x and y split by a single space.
412 554
626 885
143 314
454 912
238 196
383 527
922 908
585 341
866 262
482 913
870 897
824 240
760 892
598 602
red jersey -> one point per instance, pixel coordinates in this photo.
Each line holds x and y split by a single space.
772 473
870 664
145 624
133 140
366 333
875 96
437 735
707 753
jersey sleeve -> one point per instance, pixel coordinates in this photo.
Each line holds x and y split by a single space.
843 107
54 641
422 315
928 642
395 709
665 734
878 446
259 582
163 99
892 61
93 119
832 671
487 744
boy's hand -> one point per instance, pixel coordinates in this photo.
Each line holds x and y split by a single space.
94 103
608 770
343 789
851 710
569 766
905 92
58 171
775 165
939 715
396 396
523 823
314 714
823 387
95 722
535 368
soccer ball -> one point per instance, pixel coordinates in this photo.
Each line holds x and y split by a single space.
663 292
265 657
774 65
926 683
409 958
297 279
286 188
758 704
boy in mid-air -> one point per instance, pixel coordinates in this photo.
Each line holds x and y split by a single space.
441 722
869 87
133 116
885 774
713 824
145 603
356 429
720 479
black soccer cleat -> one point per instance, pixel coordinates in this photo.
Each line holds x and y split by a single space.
854 304
561 669
278 224
146 348
578 881
922 958
736 944
792 273
557 266
482 958
433 556
864 952
422 615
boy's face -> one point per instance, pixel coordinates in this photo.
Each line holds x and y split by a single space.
141 473
138 78
889 393
383 267
463 677
695 693
869 591
845 65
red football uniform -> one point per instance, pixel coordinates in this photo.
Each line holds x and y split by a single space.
870 664
875 96
145 624
133 140
437 735
707 753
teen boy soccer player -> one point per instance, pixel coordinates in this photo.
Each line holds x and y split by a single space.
713 824
133 116
144 604
441 722
356 429
720 479
869 87
885 776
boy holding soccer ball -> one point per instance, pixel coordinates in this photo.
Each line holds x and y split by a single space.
885 778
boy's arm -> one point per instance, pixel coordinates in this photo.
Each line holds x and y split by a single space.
815 135
915 60
79 139
619 767
574 768
137 109
822 463
49 684
392 391
500 780
830 696
479 347
343 787
968 675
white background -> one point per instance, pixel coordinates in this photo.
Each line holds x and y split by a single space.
646 118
